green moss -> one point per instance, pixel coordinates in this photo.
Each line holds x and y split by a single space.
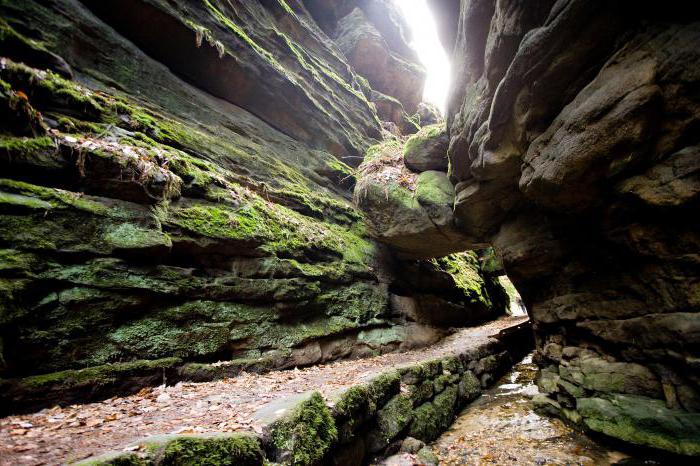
386 150
219 222
444 380
238 31
452 364
235 450
384 387
393 418
8 33
95 376
361 401
643 421
305 436
421 392
354 407
289 335
275 228
410 124
469 387
154 337
182 450
80 127
130 236
48 88
16 200
15 261
432 418
286 7
465 271
24 146
420 372
344 170
354 400
434 188
360 302
418 140
58 198
413 375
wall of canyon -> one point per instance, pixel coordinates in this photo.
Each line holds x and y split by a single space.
258 182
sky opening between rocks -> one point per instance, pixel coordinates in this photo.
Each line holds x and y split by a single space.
427 44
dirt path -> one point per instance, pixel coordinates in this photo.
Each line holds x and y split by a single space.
60 435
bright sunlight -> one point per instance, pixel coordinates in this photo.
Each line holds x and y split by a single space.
427 44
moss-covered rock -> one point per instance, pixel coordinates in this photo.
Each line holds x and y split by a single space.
227 450
304 436
421 392
415 374
432 418
84 384
468 387
427 149
391 420
188 450
465 271
643 421
410 213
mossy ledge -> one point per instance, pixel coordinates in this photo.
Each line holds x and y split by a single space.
217 449
84 384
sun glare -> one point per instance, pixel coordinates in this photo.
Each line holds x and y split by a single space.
430 52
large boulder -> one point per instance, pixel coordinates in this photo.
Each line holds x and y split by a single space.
409 212
427 149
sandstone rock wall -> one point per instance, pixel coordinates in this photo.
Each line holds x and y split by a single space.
175 183
573 132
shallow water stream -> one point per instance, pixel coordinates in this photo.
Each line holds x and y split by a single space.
502 428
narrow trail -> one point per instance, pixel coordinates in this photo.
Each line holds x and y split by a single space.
60 435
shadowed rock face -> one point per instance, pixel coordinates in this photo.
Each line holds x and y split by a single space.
573 148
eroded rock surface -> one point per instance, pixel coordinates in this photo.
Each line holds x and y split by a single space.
573 150
175 190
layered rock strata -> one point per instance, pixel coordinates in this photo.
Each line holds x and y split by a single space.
175 183
573 150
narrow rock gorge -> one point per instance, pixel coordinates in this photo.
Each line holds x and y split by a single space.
232 232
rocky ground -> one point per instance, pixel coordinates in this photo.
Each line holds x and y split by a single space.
501 427
76 432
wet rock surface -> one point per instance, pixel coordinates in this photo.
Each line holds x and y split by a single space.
503 427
